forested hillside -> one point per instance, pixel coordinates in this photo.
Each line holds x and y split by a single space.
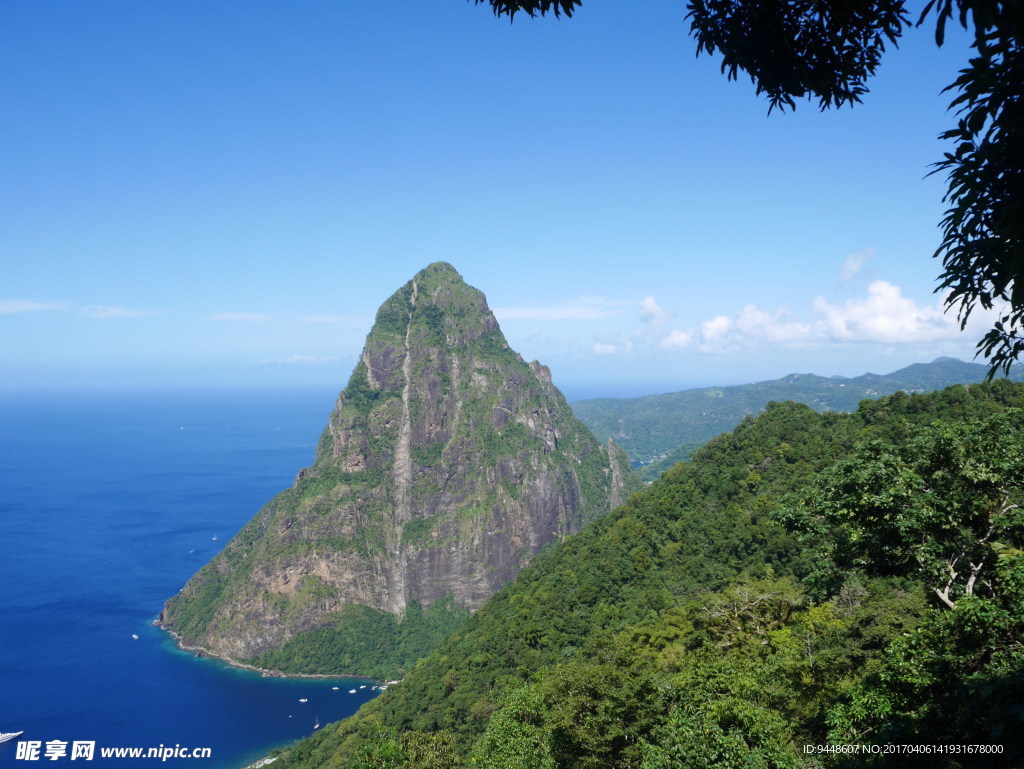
808 579
660 430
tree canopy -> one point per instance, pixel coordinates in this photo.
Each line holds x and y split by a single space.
824 579
828 51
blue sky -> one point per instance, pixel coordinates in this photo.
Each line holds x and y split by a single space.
201 193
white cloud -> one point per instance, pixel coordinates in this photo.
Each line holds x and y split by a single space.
297 359
239 317
106 311
651 313
612 344
751 327
714 333
884 315
852 265
879 314
677 340
10 306
759 325
583 308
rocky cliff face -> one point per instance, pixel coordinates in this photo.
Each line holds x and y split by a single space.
447 463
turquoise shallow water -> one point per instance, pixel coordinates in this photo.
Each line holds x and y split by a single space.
108 503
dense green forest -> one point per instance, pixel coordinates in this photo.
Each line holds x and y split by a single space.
810 579
660 430
377 644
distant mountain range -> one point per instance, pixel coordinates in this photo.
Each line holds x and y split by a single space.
658 430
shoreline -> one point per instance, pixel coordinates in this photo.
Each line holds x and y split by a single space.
262 762
265 672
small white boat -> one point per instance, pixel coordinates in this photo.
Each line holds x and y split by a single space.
5 736
363 686
335 688
317 724
135 636
304 700
351 691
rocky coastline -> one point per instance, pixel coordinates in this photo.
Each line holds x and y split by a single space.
201 651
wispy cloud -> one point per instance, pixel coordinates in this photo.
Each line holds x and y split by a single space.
582 308
330 319
304 359
107 311
8 306
852 265
617 343
239 317
11 306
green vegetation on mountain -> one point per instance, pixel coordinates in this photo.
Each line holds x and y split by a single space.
447 464
376 643
660 430
810 578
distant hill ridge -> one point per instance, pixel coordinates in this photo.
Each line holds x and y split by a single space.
659 430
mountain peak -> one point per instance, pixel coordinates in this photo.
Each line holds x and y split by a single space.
446 465
435 307
439 269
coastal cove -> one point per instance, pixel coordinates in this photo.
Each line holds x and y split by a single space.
201 653
111 501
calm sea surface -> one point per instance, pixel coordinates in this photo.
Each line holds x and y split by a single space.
108 504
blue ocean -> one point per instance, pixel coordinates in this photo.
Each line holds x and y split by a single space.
109 502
